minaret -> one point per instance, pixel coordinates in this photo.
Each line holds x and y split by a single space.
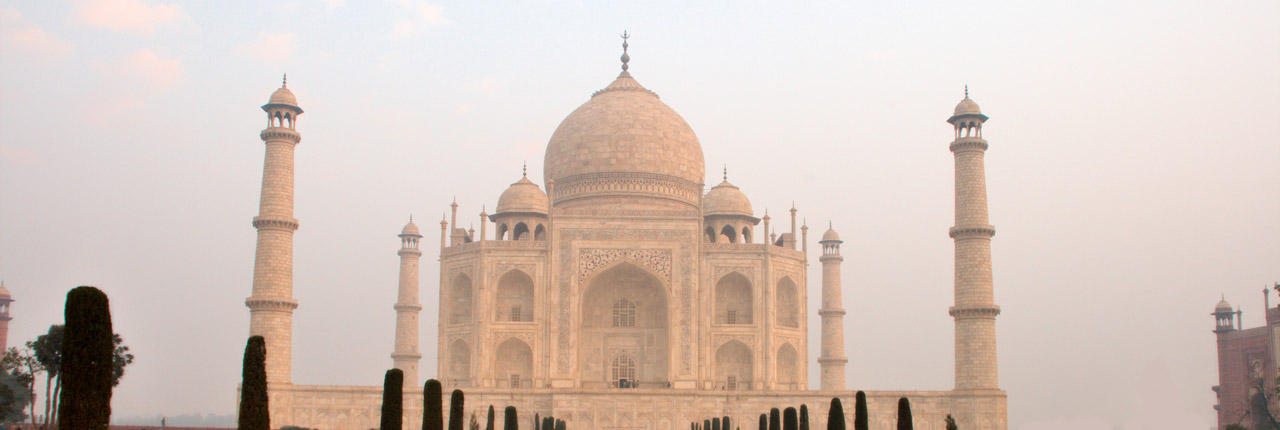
406 356
5 300
271 305
975 309
833 359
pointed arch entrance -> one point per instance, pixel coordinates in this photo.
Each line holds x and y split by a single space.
624 330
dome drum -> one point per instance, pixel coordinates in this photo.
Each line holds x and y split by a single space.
573 190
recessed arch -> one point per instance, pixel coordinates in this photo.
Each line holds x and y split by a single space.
502 231
711 234
734 371
520 232
788 301
540 232
514 301
624 311
788 368
734 299
459 369
460 299
746 235
729 234
513 364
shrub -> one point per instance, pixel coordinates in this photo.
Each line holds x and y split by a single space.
951 424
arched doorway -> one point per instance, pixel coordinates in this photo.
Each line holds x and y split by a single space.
624 314
513 364
788 368
734 366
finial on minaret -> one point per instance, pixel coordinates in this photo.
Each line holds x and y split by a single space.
625 58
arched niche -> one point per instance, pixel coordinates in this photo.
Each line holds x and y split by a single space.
540 233
624 311
460 302
728 234
514 301
734 366
788 300
520 232
788 368
459 369
513 364
711 234
502 231
734 299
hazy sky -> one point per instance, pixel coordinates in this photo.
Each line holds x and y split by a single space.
1132 172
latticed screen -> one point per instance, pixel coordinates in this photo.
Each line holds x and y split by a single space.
624 314
515 381
732 317
623 368
732 384
515 313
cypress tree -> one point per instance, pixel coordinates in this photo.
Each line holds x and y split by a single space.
764 421
951 423
715 424
775 419
549 423
456 417
489 422
706 424
392 398
790 421
87 361
253 387
432 415
860 419
537 421
559 424
724 423
509 419
804 417
835 417
904 415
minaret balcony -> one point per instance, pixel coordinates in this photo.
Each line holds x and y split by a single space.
969 144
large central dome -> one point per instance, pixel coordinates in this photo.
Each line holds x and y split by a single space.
624 146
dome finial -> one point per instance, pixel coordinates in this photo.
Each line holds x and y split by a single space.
524 171
966 91
625 58
726 172
284 82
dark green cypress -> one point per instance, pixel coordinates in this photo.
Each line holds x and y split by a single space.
456 418
715 424
559 424
775 419
764 421
87 361
537 422
835 417
509 419
253 387
432 414
860 419
392 400
951 423
724 423
489 423
549 423
790 421
706 424
904 415
804 417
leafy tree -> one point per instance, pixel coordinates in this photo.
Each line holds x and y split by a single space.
860 418
804 417
489 422
14 398
904 415
835 417
1235 427
47 349
87 361
432 415
509 419
392 400
254 414
951 424
473 424
455 410
22 365
790 421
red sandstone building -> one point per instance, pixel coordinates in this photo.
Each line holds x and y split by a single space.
1246 366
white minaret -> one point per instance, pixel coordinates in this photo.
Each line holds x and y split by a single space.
833 359
975 310
271 304
405 356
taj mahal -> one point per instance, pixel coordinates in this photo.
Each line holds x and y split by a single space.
621 293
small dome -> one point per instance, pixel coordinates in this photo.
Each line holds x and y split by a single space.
523 196
283 96
410 229
4 292
967 107
726 199
1223 306
830 235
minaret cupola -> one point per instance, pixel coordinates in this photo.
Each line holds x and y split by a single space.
1224 317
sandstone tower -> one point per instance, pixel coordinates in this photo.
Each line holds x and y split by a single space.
406 356
832 312
5 300
975 309
271 305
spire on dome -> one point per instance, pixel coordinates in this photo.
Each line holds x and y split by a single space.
284 82
726 172
524 171
966 91
625 58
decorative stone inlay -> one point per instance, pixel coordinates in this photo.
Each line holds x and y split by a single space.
795 277
502 269
687 241
453 272
720 271
525 336
659 260
465 337
720 339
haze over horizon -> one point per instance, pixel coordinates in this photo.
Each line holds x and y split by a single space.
1132 171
